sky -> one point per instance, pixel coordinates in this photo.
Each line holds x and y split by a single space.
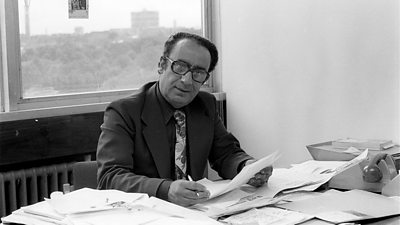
51 16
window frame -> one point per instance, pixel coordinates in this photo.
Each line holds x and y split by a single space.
14 107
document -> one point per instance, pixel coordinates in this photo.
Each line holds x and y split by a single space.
329 167
89 200
20 217
300 195
217 188
136 216
349 206
177 211
320 172
267 215
42 209
39 213
221 205
182 221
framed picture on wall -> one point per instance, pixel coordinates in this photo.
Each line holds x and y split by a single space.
78 9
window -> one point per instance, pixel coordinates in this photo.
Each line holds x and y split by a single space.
52 60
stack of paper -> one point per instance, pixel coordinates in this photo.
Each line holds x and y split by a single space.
104 207
371 144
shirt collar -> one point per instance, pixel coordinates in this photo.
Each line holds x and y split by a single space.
166 109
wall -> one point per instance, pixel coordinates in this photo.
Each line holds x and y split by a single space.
308 71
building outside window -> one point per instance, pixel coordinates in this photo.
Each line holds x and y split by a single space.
52 58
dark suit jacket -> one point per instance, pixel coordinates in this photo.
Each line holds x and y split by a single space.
133 151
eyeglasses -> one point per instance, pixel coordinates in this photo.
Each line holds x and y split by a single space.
182 68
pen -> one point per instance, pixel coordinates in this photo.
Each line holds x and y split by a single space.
190 179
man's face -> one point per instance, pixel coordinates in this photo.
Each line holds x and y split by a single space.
180 90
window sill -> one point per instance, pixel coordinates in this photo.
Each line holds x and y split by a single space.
50 112
67 110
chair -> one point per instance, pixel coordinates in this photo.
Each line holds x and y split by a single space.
84 175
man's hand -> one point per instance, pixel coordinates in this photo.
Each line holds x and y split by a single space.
261 177
186 193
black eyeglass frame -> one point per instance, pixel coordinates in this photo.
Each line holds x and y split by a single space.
190 69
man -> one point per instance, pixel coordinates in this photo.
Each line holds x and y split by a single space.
159 139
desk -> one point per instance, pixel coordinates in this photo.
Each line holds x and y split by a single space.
274 181
387 221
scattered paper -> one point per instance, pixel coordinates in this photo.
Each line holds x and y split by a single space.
89 200
304 177
340 207
105 207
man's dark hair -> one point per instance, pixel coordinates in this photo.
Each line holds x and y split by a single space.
173 39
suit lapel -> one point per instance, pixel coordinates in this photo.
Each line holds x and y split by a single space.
155 134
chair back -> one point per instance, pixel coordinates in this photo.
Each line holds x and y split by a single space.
84 174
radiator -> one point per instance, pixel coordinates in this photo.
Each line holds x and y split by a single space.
24 187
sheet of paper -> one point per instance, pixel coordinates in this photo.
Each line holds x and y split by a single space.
20 217
320 172
317 167
290 179
137 215
267 215
363 156
43 209
329 167
218 206
181 221
340 207
88 200
298 196
176 210
221 187
352 150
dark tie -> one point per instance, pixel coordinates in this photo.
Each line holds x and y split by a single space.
180 145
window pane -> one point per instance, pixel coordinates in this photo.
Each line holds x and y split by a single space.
117 47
